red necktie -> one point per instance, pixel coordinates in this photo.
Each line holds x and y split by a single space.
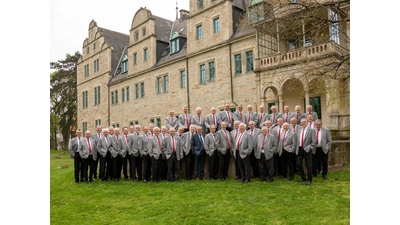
214 120
126 139
172 120
238 144
199 118
283 140
107 139
116 137
98 134
241 117
279 133
159 144
251 132
260 117
187 123
227 139
214 135
229 117
302 138
248 118
90 147
316 142
297 116
173 144
263 142
286 116
294 128
310 124
273 118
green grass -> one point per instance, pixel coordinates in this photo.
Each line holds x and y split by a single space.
191 202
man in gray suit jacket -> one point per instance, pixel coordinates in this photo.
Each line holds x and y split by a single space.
262 116
304 147
116 156
323 142
143 145
212 153
233 135
287 144
265 147
212 119
244 144
199 120
224 147
227 116
171 121
297 114
254 132
277 132
251 116
156 154
123 146
287 115
96 136
185 119
238 115
73 147
134 153
274 115
187 149
172 149
310 112
105 145
88 153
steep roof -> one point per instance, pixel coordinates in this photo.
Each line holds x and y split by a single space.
162 28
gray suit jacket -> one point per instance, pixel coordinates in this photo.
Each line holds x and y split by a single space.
209 144
299 116
103 146
326 140
246 145
273 119
309 140
236 116
209 120
73 146
294 129
270 146
201 123
275 132
262 117
224 117
314 114
182 120
123 145
289 143
256 132
84 149
155 148
187 136
171 122
114 151
133 143
167 147
95 137
234 133
222 142
143 144
288 117
253 117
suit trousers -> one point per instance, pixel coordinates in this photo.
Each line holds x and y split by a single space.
266 167
244 165
237 169
308 157
156 167
164 168
146 170
213 166
199 163
224 163
103 165
189 164
134 166
117 163
287 159
254 164
125 162
85 165
140 167
173 167
89 163
96 165
78 167
109 167
277 164
320 158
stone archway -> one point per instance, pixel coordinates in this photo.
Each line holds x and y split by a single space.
293 93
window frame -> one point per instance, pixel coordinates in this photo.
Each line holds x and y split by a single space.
145 54
135 58
166 83
238 64
211 71
218 26
199 32
202 73
183 75
247 61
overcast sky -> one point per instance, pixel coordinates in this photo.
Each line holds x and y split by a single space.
69 20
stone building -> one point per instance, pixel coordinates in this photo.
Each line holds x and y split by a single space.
216 52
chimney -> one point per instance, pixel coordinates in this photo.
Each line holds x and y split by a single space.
184 15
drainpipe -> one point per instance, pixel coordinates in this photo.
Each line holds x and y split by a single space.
230 68
187 84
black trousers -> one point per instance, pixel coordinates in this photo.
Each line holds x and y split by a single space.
320 158
146 170
189 164
266 167
199 162
103 165
139 167
173 167
254 164
88 163
125 165
237 169
117 164
287 159
134 167
109 167
244 165
96 165
277 164
308 157
164 168
213 166
78 167
156 167
224 163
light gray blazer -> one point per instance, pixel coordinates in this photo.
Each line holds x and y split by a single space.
143 144
73 146
209 120
298 127
114 151
299 117
209 144
133 143
289 143
309 140
95 137
167 147
236 116
182 120
270 146
275 131
84 149
123 145
326 139
222 142
234 136
155 149
271 117
261 120
289 116
201 123
314 114
171 122
103 146
224 117
246 145
256 132
253 117
187 136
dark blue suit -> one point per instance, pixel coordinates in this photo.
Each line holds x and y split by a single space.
199 153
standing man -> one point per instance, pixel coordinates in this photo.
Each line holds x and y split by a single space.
304 147
96 136
198 149
223 143
172 148
253 133
73 147
251 116
123 146
277 132
188 154
233 135
310 121
134 153
265 148
274 115
227 116
163 161
88 153
116 156
199 120
323 142
212 155
238 114
143 145
244 144
263 116
268 124
286 147
185 119
212 119
105 146
155 147
310 112
287 115
171 121
297 114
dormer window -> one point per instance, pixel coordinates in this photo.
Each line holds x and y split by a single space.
124 65
174 42
256 11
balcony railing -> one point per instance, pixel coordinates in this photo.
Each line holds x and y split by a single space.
301 54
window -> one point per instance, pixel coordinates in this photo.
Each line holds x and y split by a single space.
134 58
199 32
96 65
159 85
291 43
141 90
216 25
249 61
98 122
115 125
136 35
151 120
269 107
175 46
238 64
200 4
123 94
97 95
137 90
136 122
334 26
145 54
211 69
84 127
87 50
183 78
86 70
127 94
94 46
124 64
256 13
202 74
144 31
212 0
166 83
316 105
158 122
84 99
114 97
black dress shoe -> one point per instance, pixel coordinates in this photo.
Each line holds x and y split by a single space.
302 180
308 183
126 178
116 180
134 180
324 176
144 180
270 180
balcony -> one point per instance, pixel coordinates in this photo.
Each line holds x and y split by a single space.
305 53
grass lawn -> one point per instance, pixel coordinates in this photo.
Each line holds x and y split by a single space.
191 202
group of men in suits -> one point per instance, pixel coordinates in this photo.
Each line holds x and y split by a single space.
267 144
